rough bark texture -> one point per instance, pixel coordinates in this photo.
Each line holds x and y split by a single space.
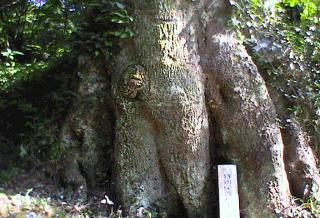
183 67
301 163
183 63
162 135
178 45
87 134
246 120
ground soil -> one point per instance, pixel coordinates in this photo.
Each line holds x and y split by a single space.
38 194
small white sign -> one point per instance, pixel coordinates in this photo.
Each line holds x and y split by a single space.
228 191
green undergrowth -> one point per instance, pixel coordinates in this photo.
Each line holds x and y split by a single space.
40 41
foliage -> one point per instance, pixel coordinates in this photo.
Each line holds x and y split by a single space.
12 71
308 9
105 21
31 113
39 31
31 36
39 43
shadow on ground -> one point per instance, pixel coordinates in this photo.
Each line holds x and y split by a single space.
34 194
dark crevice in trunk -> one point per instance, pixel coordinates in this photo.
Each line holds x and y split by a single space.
182 211
83 173
214 192
177 208
300 163
218 153
110 189
218 156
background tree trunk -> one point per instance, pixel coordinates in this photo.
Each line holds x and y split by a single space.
87 134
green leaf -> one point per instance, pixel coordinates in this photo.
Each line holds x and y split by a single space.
17 53
119 14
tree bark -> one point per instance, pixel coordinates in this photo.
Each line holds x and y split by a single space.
183 64
246 118
87 134
162 134
186 96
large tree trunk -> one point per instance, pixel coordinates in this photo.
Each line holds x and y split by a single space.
185 92
246 119
162 131
182 64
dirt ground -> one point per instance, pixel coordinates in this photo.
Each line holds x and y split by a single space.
35 194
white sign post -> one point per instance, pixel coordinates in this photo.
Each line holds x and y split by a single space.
228 191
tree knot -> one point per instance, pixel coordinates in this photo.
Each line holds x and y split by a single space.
133 81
